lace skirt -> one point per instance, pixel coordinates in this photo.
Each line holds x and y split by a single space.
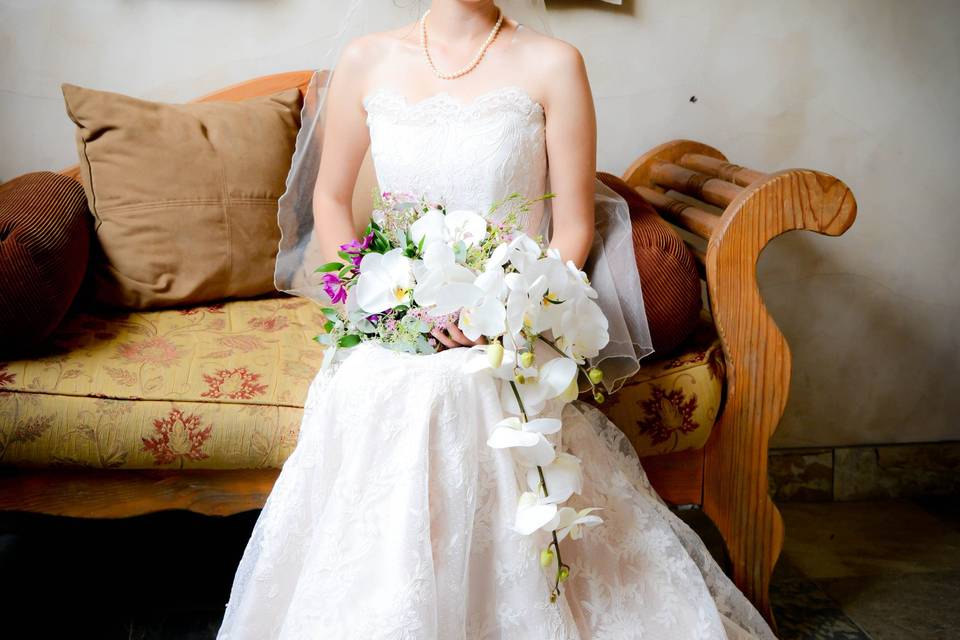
392 520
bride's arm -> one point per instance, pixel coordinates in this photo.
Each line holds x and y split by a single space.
345 142
571 137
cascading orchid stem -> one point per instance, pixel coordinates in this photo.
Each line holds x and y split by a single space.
563 570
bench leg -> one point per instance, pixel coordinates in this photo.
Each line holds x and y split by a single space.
751 527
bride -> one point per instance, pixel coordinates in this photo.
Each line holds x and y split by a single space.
392 518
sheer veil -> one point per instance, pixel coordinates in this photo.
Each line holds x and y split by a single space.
611 265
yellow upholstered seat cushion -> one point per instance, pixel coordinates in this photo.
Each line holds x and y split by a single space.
223 387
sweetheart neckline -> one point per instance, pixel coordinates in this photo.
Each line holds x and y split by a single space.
460 103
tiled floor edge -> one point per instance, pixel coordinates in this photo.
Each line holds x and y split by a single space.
867 472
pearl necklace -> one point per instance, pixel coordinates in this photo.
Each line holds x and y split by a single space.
476 58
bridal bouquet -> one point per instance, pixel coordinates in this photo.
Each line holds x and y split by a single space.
419 266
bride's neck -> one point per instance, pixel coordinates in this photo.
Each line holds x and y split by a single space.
458 21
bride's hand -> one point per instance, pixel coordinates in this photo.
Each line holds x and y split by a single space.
451 336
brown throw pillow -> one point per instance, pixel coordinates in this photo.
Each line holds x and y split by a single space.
668 273
184 196
44 244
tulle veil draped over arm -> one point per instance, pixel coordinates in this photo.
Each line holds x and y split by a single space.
610 266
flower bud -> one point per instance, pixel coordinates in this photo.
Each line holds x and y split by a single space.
553 597
564 574
526 359
595 375
520 378
598 397
495 354
546 557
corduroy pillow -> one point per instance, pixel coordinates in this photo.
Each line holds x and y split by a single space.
44 246
184 196
668 274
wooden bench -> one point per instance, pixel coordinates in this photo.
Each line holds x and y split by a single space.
737 211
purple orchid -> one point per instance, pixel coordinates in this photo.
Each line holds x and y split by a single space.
333 286
356 248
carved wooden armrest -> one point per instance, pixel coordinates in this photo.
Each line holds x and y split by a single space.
738 211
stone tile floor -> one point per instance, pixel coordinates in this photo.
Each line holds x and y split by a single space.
875 570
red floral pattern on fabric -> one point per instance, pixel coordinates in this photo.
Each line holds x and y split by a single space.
668 414
25 432
213 308
179 437
268 323
235 384
243 343
156 350
6 377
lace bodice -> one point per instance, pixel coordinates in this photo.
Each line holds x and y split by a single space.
471 153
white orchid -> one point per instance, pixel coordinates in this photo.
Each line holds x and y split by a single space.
580 278
562 478
533 514
527 439
523 251
454 227
583 329
443 285
571 522
486 315
385 281
552 380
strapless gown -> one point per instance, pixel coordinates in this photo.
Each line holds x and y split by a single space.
392 517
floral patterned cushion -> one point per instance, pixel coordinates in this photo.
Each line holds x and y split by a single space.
223 386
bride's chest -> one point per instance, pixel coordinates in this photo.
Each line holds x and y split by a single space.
498 137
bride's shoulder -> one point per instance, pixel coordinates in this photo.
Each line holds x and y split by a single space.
545 53
369 49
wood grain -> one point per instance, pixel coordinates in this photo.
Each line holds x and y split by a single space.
122 493
735 493
724 170
702 186
683 214
677 477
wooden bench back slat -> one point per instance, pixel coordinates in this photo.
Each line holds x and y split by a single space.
680 213
728 171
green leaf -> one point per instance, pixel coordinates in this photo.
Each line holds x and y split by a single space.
328 325
330 313
343 254
330 266
349 340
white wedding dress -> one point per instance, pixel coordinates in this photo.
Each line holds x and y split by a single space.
392 517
